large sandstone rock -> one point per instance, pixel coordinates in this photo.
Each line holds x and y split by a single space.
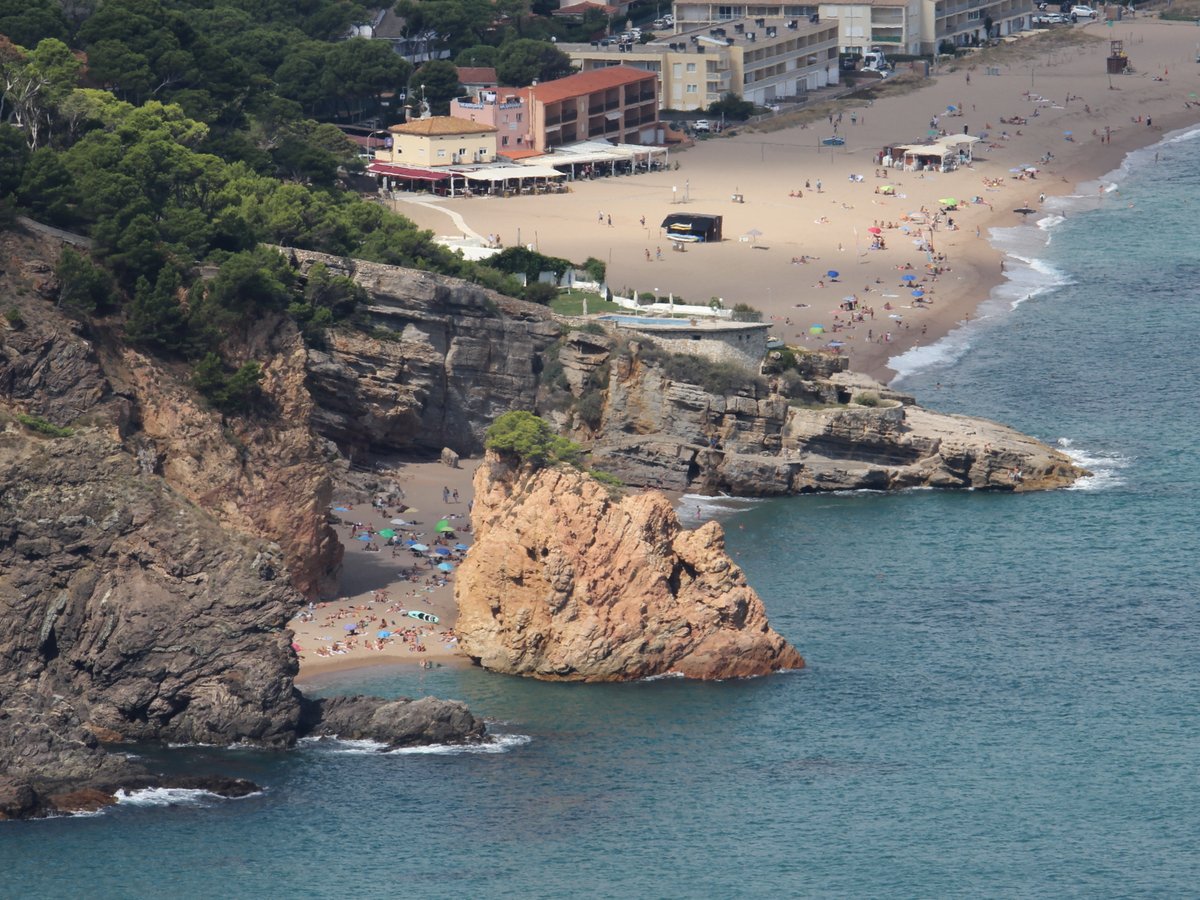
564 582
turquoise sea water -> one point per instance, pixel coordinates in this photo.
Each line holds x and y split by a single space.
1002 692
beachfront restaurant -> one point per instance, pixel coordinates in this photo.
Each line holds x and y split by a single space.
588 159
942 155
468 181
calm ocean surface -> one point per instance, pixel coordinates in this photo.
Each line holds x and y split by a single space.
1002 693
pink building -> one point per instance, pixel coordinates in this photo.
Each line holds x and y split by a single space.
507 109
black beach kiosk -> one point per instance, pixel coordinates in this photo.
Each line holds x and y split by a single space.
694 228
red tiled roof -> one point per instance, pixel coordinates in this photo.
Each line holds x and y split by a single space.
435 125
476 75
583 83
377 168
578 9
518 152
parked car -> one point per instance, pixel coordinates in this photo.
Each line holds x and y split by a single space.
1083 12
1050 19
701 125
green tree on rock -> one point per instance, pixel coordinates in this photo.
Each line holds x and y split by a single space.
530 439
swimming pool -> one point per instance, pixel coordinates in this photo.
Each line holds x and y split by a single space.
641 320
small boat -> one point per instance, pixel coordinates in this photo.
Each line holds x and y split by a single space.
684 238
834 141
423 616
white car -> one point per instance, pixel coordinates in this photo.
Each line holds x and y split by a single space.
701 125
1083 12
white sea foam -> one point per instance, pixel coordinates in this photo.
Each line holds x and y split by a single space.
661 677
1107 468
167 797
495 743
696 508
345 746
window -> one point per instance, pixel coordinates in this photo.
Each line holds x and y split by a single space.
691 67
677 69
505 144
519 117
441 153
692 89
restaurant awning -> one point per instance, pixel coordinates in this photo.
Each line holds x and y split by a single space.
376 168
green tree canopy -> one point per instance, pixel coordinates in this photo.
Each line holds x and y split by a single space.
437 83
530 439
522 61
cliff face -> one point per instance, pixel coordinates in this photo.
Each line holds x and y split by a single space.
809 432
565 583
446 358
150 555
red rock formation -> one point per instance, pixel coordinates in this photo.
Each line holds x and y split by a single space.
566 583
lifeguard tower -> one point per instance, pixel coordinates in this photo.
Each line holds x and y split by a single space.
1118 62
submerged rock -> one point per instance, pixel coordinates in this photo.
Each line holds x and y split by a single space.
567 583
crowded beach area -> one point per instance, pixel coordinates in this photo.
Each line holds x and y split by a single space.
1048 117
910 249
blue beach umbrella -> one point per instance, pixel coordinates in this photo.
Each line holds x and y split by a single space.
420 548
909 277
461 547
832 273
442 551
383 634
410 543
446 567
363 537
918 293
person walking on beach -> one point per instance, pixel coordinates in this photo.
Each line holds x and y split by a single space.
445 494
658 253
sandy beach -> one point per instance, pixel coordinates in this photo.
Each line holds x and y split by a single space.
807 203
378 587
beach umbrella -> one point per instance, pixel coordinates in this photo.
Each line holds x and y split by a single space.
387 533
832 273
887 189
410 543
918 293
874 230
353 626
363 537
816 329
836 344
399 522
384 633
446 567
948 201
442 551
461 547
420 548
443 526
909 277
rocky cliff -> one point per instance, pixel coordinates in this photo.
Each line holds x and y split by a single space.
814 427
442 358
151 554
567 583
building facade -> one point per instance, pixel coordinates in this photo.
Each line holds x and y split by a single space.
506 109
892 25
439 141
760 60
908 26
617 104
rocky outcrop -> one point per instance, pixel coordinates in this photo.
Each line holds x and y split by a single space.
818 429
393 723
443 358
567 583
150 553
